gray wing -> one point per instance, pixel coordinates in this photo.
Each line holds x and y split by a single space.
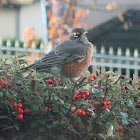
65 53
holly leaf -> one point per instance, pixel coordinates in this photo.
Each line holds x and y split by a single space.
20 55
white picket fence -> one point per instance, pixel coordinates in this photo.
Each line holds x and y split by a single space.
128 63
113 61
11 51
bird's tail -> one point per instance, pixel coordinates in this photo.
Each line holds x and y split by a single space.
27 68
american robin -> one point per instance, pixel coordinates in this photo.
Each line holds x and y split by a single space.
69 59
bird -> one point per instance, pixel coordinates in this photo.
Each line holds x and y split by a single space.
69 59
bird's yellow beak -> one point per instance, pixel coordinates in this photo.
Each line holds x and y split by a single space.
84 33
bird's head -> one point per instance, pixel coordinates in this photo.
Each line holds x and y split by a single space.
79 34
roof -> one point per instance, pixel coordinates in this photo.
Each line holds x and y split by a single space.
15 3
112 33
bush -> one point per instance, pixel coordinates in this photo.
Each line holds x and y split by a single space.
42 106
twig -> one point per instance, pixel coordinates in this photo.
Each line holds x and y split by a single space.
108 88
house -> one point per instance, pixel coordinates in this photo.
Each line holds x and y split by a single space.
117 33
17 15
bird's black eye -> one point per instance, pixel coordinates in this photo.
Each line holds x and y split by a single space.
76 34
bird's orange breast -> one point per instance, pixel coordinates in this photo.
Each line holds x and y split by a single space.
75 69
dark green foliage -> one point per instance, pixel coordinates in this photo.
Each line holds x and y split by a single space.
51 115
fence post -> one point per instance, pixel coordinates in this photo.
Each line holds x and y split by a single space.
42 47
93 63
136 55
102 59
119 53
8 45
33 55
16 46
0 46
110 60
127 53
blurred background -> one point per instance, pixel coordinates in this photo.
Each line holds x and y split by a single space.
38 26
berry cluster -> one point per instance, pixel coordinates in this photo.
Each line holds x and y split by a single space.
81 112
51 82
19 110
80 95
94 76
106 104
3 82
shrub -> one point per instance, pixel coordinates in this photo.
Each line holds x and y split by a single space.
42 106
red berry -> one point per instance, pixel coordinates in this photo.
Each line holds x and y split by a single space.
77 96
5 79
125 110
139 121
138 101
79 93
109 107
94 82
83 96
49 81
0 79
105 106
0 83
79 111
74 98
94 76
20 116
120 127
73 107
5 83
121 134
68 127
88 80
20 111
86 93
10 99
26 111
52 85
108 102
83 113
20 105
15 105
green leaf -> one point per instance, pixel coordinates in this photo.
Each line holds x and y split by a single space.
96 91
4 117
41 75
10 60
56 97
110 72
114 123
124 122
124 114
20 55
34 123
129 86
110 131
17 127
104 136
